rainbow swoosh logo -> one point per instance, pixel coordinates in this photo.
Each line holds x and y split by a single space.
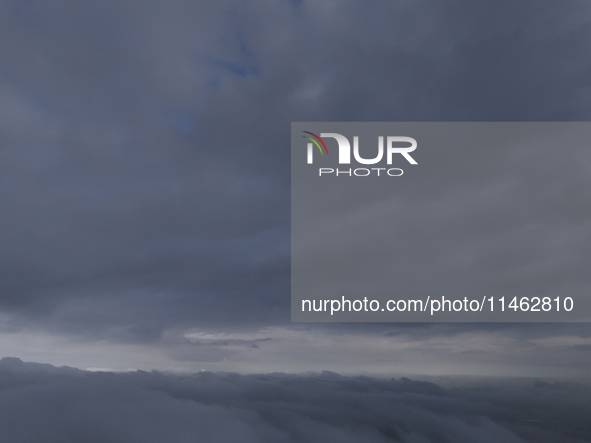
317 140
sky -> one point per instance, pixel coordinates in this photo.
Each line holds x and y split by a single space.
145 221
145 176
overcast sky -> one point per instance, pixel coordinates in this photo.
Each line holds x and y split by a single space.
144 173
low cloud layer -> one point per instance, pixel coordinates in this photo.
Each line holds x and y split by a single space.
560 351
45 404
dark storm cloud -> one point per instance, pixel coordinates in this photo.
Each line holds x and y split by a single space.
116 196
144 165
41 403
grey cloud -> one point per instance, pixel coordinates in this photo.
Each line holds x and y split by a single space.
41 403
